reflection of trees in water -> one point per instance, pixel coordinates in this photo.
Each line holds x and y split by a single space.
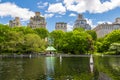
22 69
76 69
11 70
108 67
68 68
50 61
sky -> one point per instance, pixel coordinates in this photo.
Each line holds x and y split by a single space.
94 11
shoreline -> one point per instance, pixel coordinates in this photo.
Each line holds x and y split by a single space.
52 55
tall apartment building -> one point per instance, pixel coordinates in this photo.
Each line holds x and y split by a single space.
61 26
105 28
37 21
81 23
15 22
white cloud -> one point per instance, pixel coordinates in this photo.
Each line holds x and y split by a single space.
101 22
58 16
11 9
48 15
57 8
93 6
90 22
42 5
72 14
69 27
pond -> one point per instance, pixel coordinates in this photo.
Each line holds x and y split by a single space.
60 68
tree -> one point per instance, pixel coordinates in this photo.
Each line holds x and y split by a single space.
79 29
57 36
93 34
115 47
76 42
33 43
42 32
4 29
20 40
111 38
23 29
12 42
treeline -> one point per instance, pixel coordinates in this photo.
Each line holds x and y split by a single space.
110 44
24 40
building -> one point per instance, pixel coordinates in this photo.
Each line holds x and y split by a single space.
37 21
81 23
105 28
15 22
61 26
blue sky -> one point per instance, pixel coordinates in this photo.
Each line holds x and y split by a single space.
95 11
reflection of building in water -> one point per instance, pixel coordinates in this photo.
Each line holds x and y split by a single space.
82 23
50 61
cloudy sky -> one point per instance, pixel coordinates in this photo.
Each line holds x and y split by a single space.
95 11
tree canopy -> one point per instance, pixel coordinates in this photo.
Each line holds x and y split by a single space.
27 40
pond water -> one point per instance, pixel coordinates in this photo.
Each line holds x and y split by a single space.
60 68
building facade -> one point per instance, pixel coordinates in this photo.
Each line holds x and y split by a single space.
105 28
81 23
37 21
61 26
15 22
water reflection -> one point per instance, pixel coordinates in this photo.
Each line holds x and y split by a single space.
60 68
50 61
106 69
91 68
91 63
60 59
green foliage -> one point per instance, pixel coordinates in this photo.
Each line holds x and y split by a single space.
27 40
79 29
42 32
98 46
115 48
20 40
106 44
3 32
111 38
76 42
33 43
24 30
57 38
93 34
13 39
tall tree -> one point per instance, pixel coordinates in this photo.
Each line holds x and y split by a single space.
23 29
57 36
115 47
42 32
33 43
77 42
111 38
93 34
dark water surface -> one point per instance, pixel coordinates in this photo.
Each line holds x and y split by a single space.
60 68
